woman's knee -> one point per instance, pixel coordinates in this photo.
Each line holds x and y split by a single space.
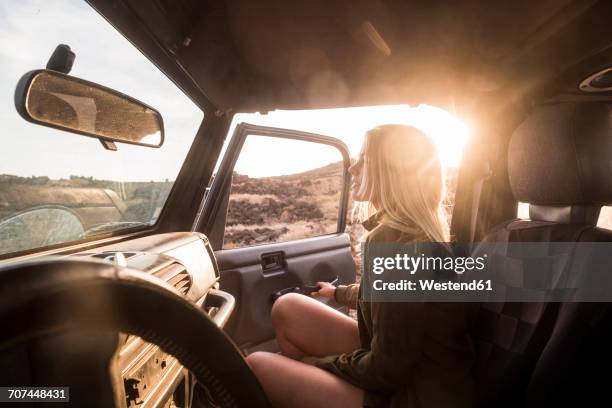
286 308
289 383
258 360
263 364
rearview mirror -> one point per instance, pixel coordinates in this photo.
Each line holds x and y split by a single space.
60 101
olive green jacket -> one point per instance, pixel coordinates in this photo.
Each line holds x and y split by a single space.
412 354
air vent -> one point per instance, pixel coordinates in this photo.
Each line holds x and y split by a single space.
176 276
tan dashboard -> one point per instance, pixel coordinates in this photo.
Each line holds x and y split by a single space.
150 377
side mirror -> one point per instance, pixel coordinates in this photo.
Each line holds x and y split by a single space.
60 101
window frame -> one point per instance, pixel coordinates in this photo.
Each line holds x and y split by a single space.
212 216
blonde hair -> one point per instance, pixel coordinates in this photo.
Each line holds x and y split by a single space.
403 177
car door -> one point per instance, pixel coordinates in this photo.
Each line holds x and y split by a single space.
276 215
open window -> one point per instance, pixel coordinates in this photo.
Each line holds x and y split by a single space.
284 189
276 216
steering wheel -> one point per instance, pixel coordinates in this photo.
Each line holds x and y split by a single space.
52 295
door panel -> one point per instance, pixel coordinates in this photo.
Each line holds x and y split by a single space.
256 262
308 260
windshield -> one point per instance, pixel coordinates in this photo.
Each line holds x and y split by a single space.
56 187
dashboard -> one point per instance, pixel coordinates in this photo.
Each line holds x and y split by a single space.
146 376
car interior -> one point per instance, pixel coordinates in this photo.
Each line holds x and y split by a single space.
162 314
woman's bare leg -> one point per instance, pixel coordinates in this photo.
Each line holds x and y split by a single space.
307 327
290 383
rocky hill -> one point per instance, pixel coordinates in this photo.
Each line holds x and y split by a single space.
273 209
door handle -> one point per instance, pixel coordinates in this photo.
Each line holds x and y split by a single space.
225 303
272 261
305 289
310 287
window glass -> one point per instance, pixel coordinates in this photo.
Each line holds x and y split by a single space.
56 187
522 211
283 189
605 218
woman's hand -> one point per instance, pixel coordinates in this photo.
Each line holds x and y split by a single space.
326 290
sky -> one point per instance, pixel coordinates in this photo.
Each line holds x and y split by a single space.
30 31
449 133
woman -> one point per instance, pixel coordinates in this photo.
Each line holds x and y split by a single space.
396 354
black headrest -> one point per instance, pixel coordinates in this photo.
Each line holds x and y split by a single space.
562 155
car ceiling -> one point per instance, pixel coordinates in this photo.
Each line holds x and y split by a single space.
246 55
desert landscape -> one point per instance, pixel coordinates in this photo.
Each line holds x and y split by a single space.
261 210
139 199
282 208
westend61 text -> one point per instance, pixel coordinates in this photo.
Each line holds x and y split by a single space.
433 285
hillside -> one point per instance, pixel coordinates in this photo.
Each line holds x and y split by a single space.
141 199
281 208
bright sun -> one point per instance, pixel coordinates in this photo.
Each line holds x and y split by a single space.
448 132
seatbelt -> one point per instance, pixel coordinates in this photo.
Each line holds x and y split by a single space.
476 196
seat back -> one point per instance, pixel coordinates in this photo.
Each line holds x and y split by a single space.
558 163
573 368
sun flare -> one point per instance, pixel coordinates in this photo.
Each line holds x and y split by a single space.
449 133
